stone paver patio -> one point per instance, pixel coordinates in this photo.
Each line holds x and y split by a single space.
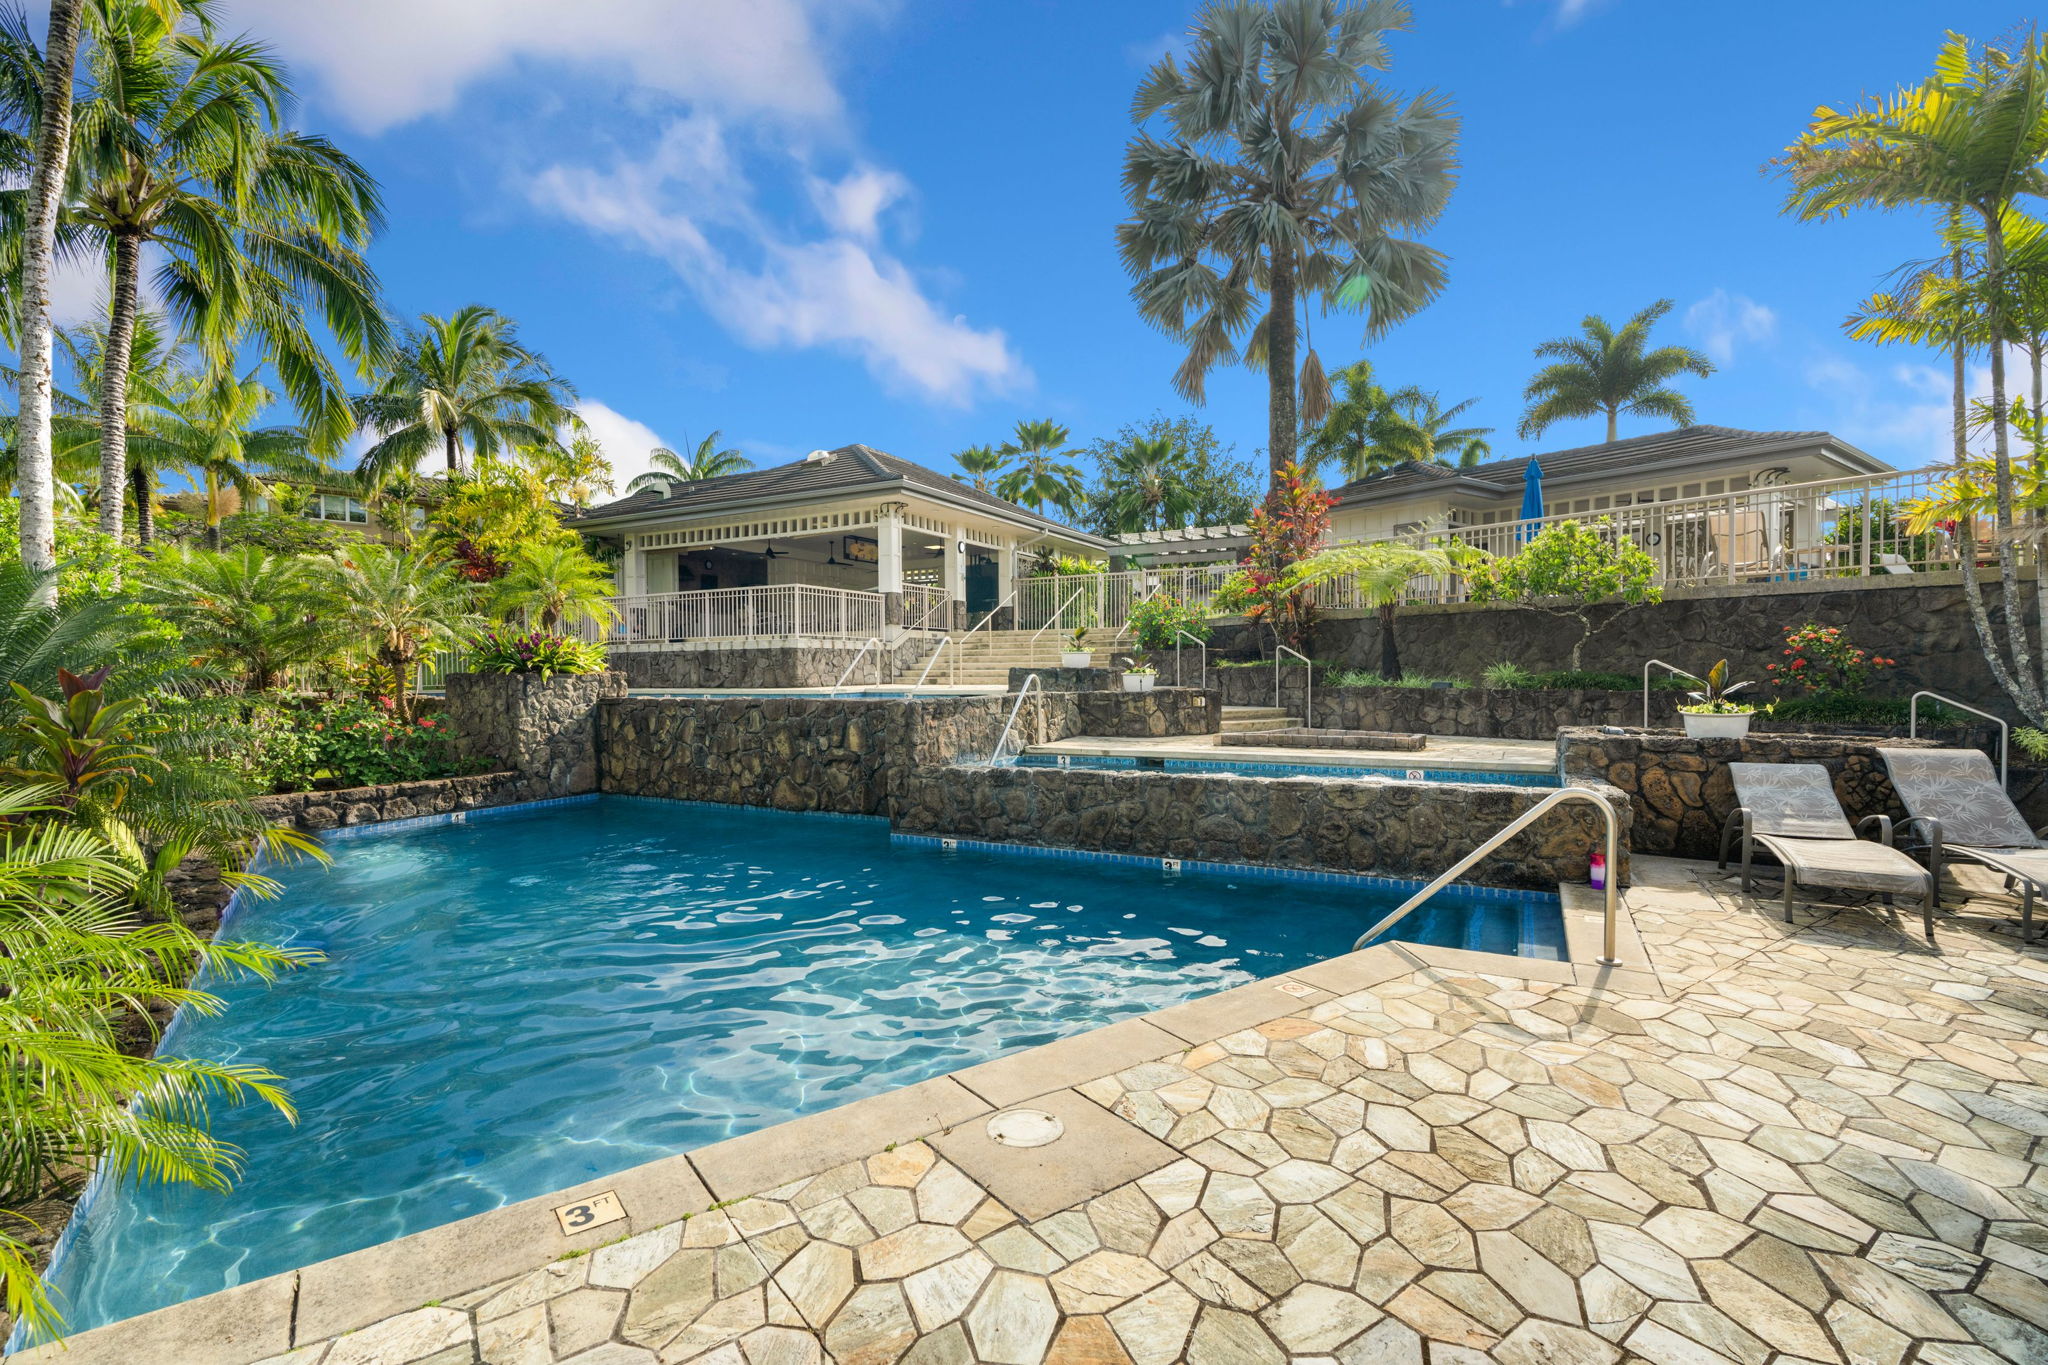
1812 1142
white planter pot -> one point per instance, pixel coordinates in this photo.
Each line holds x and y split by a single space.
1139 682
1075 658
1716 727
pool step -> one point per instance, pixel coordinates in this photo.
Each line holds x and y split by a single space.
1238 720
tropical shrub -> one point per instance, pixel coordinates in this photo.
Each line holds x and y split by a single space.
1380 575
365 744
1567 569
1820 661
1287 528
1508 674
1157 621
403 605
553 583
536 651
247 609
1364 677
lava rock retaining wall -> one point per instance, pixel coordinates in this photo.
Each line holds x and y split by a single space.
818 665
317 811
1395 829
543 729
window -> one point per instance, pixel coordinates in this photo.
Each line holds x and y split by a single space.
337 507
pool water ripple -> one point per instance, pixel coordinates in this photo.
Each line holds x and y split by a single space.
516 1005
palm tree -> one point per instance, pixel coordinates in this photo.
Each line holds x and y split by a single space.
1146 490
179 146
1418 427
1382 573
1608 371
1281 171
156 374
575 473
40 101
555 583
708 461
1038 476
404 604
1351 432
209 430
259 612
979 465
463 381
1969 142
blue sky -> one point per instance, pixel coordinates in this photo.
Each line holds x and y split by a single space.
809 222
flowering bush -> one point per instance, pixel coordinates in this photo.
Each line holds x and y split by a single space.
1287 528
361 743
505 651
1819 661
1157 621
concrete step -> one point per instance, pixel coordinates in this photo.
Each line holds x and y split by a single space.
1253 712
1245 727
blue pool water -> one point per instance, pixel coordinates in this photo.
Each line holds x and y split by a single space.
517 1004
1251 767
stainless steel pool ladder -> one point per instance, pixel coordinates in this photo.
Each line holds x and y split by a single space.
1030 682
1913 723
1668 668
1200 644
876 645
1308 680
1507 832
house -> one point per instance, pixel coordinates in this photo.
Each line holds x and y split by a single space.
843 543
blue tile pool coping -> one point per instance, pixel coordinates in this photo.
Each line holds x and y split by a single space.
1254 767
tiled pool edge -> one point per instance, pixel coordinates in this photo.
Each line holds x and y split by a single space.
376 828
270 1317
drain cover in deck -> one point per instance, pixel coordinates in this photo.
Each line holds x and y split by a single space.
1024 1128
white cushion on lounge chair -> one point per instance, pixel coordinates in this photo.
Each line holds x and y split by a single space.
1960 788
1852 864
1790 800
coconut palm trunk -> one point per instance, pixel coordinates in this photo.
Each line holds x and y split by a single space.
36 476
453 448
1280 406
114 381
145 515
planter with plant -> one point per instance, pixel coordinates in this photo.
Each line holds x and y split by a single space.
1711 715
1076 654
1140 679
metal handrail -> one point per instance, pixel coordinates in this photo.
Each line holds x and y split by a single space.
932 662
1062 611
2004 730
991 614
871 640
1507 832
1200 644
1030 681
1308 699
1668 668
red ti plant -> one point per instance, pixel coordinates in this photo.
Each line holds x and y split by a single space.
1287 528
82 741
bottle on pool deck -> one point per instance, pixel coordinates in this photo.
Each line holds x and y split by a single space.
1596 874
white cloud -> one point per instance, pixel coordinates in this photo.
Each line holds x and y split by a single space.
381 63
78 292
1721 319
1899 410
854 204
626 441
685 202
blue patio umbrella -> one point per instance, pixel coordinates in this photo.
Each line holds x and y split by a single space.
1532 495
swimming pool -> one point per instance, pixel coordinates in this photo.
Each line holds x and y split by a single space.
1254 767
685 972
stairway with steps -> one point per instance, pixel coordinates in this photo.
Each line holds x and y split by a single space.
1238 720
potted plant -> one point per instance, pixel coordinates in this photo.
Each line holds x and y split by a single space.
1076 654
1712 715
1140 679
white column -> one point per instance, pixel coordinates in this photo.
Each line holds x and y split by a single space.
1006 570
956 566
889 558
633 571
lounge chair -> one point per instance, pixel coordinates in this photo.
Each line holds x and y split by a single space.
1790 808
1955 797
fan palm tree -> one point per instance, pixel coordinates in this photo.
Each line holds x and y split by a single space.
38 99
178 144
1382 573
1416 426
1969 143
403 604
555 583
1280 176
979 465
462 382
1037 475
1607 370
707 461
1146 488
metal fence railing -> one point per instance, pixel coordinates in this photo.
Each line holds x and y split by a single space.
781 610
924 607
1064 601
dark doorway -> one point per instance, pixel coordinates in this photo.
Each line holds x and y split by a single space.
981 588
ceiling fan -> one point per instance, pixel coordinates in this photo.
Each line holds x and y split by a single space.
769 551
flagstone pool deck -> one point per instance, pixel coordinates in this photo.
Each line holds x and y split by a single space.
1761 1144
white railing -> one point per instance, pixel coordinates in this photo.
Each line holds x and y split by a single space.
782 610
1064 601
924 607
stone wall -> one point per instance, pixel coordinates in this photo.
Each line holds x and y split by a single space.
760 666
1919 619
543 729
1396 829
1478 712
316 811
1681 791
